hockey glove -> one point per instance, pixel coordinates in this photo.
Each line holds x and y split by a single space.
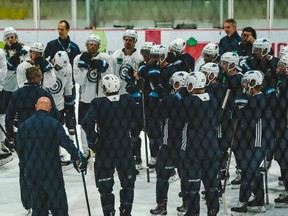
13 62
84 60
43 64
99 64
154 95
126 72
19 49
270 91
83 163
69 104
153 73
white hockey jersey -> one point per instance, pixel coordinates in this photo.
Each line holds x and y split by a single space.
10 81
89 80
62 87
119 58
49 77
3 68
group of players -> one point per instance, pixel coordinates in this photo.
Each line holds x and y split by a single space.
236 100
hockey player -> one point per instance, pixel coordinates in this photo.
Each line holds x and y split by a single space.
61 91
113 116
200 147
281 129
36 59
283 51
22 102
38 141
157 74
127 55
169 153
250 134
89 68
15 53
210 53
63 43
135 85
232 80
178 57
263 61
217 89
5 154
230 42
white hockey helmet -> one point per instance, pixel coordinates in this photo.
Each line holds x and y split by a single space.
147 45
130 33
263 44
177 45
37 47
93 38
283 51
61 59
230 58
178 79
210 68
211 49
253 78
158 51
8 31
282 65
195 80
110 83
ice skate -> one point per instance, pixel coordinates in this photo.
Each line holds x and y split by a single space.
181 210
282 200
28 212
241 209
160 209
5 157
256 205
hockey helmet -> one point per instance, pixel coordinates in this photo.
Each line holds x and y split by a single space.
230 58
93 38
209 69
210 49
252 78
177 45
130 33
283 51
37 47
178 79
61 59
195 80
110 83
8 31
263 44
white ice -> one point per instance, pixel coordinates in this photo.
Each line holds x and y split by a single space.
144 200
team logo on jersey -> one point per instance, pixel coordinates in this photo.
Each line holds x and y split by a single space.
56 88
93 76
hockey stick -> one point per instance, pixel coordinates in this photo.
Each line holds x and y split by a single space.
266 182
221 111
82 173
225 206
144 128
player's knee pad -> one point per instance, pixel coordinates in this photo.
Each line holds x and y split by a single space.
105 186
192 185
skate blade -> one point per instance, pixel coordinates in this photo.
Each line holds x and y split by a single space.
281 205
235 186
256 209
6 160
181 213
